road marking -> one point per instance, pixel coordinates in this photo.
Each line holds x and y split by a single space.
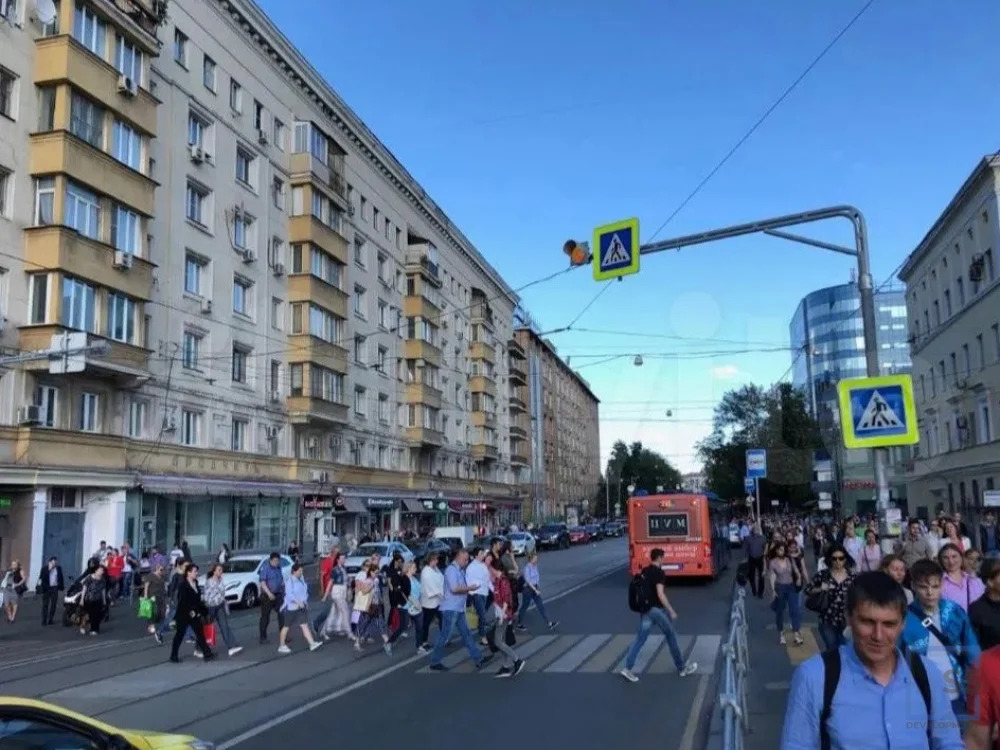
67 652
649 648
305 708
607 656
691 728
664 661
552 652
582 651
706 653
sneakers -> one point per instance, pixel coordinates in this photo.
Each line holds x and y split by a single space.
438 668
781 639
235 650
504 672
690 668
797 639
387 647
628 675
553 625
284 650
315 645
518 666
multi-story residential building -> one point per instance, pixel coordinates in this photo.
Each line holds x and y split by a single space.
564 429
953 299
283 336
827 341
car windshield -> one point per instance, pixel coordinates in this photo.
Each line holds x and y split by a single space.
518 537
551 529
367 550
240 566
416 544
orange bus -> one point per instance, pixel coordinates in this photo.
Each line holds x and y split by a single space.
692 530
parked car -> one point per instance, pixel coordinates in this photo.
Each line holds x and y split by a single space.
579 535
241 577
421 548
553 536
486 542
385 550
454 544
521 542
595 531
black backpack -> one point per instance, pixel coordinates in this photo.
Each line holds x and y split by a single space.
639 599
831 676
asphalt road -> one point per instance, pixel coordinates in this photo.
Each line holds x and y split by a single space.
123 678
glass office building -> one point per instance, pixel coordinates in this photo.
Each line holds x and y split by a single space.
828 345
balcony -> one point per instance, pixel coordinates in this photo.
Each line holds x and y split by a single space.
307 410
303 347
424 436
517 373
516 459
418 261
482 384
121 360
61 59
419 393
60 151
479 418
65 249
310 229
484 452
518 432
304 287
481 312
422 350
418 305
305 167
480 350
515 349
517 405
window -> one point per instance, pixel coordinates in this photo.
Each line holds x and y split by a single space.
278 192
966 360
276 314
125 231
8 10
38 302
274 378
128 60
8 83
194 274
359 349
295 379
359 400
322 265
383 408
241 427
242 296
190 427
82 211
276 252
89 417
197 130
243 231
258 115
325 212
278 130
380 267
78 305
137 411
983 417
245 167
121 318
981 351
191 350
208 73
988 262
5 183
322 324
46 399
947 303
126 146
235 96
89 29
359 301
383 314
326 384
359 251
196 204
381 360
180 48
45 195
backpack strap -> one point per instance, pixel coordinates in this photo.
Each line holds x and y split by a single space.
919 672
831 676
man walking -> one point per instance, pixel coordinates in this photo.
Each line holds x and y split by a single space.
50 583
453 614
272 589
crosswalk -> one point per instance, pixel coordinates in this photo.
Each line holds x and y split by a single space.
598 653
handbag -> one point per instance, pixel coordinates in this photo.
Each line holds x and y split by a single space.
818 601
362 601
146 608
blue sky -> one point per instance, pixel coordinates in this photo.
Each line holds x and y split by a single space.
532 122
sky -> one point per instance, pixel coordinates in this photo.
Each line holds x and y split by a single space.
530 123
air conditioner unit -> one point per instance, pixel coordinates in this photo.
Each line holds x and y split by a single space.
206 306
350 211
249 256
271 431
279 269
312 443
274 397
262 138
127 87
196 152
169 424
123 260
319 476
29 414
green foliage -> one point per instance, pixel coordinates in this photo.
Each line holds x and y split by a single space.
636 464
776 419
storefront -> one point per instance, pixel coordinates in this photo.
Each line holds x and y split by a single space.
383 515
422 515
319 526
349 516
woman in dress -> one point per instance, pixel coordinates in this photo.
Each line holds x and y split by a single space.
12 587
836 579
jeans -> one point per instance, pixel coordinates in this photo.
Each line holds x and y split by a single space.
479 604
787 595
530 595
220 616
832 636
267 605
127 578
449 621
658 617
168 617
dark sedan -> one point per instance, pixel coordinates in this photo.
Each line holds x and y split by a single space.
553 536
595 531
421 548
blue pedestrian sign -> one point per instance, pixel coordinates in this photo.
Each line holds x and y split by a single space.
616 250
749 485
878 412
756 463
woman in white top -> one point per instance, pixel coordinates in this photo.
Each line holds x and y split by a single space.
431 594
933 537
852 543
871 553
953 536
478 573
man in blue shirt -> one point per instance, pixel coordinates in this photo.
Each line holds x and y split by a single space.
452 609
272 594
877 702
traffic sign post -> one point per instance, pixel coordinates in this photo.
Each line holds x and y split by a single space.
748 485
616 250
878 412
756 470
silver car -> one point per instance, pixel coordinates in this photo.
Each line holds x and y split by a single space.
521 543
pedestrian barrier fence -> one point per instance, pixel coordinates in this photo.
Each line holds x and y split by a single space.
736 666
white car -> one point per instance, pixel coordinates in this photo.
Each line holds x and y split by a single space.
384 549
241 576
521 543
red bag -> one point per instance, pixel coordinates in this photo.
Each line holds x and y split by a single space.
209 631
393 620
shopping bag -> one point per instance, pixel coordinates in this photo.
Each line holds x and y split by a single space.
209 630
472 618
393 620
146 608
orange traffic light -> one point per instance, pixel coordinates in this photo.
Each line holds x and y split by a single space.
578 254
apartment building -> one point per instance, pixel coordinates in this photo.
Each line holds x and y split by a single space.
268 330
953 301
564 430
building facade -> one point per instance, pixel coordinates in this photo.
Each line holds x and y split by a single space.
267 330
564 428
827 339
953 299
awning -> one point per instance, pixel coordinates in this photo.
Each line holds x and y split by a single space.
344 504
415 505
200 486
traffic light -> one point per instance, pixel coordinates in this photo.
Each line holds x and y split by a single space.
578 252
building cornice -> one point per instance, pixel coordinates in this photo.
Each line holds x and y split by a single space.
255 24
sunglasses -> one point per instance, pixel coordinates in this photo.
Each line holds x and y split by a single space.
838 557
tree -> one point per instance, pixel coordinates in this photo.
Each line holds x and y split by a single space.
776 419
638 465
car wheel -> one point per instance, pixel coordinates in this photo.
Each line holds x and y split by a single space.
249 598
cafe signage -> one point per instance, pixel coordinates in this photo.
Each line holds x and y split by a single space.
381 503
317 502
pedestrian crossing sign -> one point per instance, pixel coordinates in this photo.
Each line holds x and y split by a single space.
878 412
616 250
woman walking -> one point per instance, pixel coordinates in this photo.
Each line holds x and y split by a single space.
956 584
218 608
403 597
296 609
12 588
155 589
835 580
95 596
785 582
533 594
338 622
503 599
368 609
431 595
191 613
871 553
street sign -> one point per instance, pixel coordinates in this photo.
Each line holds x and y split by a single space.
756 463
878 412
748 484
616 250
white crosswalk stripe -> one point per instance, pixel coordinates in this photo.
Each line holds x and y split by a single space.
598 653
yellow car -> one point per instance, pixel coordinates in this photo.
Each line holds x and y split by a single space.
27 724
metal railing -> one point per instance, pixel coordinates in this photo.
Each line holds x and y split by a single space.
733 696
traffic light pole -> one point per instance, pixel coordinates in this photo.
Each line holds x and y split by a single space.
774 228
